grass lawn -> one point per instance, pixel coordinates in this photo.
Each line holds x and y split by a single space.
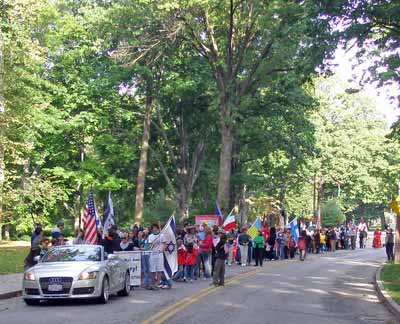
391 280
12 259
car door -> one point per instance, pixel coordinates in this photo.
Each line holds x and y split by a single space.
112 272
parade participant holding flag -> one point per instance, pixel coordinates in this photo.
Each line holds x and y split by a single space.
170 255
108 217
157 245
206 250
230 222
220 250
89 220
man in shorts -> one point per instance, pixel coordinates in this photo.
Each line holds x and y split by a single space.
157 246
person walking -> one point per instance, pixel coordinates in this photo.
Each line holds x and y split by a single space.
258 245
220 250
353 237
281 244
317 241
389 244
180 274
376 243
206 250
270 249
322 237
230 244
157 246
332 238
243 240
363 229
190 260
302 244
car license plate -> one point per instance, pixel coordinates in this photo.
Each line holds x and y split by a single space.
55 287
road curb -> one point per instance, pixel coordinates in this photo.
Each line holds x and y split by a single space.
11 294
384 296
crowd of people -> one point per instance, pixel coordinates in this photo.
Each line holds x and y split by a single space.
204 251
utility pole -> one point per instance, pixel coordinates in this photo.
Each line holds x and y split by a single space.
397 236
2 129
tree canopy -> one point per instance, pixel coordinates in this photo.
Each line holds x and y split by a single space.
183 103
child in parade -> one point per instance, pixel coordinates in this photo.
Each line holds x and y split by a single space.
190 260
181 252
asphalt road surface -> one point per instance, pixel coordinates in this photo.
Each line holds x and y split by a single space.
333 288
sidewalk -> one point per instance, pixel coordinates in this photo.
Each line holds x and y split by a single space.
10 285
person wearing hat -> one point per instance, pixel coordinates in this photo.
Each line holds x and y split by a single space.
56 231
220 254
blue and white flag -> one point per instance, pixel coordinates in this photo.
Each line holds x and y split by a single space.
108 216
170 252
295 229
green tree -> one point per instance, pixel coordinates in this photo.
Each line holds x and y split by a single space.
333 214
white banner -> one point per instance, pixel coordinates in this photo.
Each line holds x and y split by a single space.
135 265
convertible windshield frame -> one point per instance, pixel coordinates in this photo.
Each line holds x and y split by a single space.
73 254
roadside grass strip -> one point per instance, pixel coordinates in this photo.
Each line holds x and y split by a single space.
390 277
12 259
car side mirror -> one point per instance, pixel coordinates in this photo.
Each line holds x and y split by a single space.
36 258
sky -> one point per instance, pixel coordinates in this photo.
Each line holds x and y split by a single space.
345 62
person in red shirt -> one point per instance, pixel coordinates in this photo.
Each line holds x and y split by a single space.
180 274
190 261
206 249
302 245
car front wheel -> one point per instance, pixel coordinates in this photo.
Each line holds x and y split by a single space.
127 286
105 291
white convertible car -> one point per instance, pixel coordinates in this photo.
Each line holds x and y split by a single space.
76 271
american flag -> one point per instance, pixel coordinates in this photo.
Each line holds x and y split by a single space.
89 221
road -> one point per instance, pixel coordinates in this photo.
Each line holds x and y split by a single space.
324 289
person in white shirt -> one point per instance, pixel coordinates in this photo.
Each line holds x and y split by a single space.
157 245
363 230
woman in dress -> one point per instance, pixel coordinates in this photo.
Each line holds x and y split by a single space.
376 243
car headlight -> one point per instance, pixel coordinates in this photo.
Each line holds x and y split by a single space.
88 275
30 276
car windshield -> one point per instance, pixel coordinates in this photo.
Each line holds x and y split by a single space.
73 253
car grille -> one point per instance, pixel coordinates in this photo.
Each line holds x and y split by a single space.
66 282
83 291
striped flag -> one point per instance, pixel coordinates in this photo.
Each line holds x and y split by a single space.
89 220
253 230
170 252
108 217
217 212
230 222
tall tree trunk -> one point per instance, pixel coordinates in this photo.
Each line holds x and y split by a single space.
183 205
141 177
225 159
320 197
397 241
2 126
243 206
397 235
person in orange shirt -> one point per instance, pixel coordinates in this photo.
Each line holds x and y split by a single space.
180 274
